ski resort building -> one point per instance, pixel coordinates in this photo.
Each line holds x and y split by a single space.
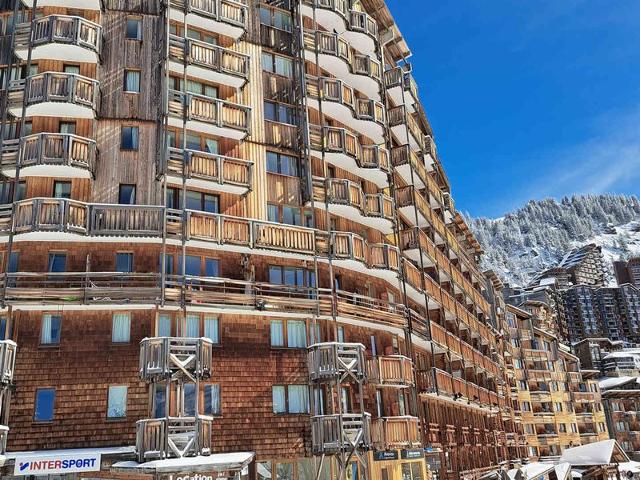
229 247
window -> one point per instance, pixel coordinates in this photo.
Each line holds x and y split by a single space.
192 325
168 264
212 399
574 428
279 399
67 127
211 267
45 400
296 333
191 265
290 399
134 29
3 328
211 329
57 262
341 334
278 112
7 191
164 326
526 406
282 164
276 18
282 66
124 262
50 333
159 401
190 399
127 194
277 333
117 402
75 69
412 471
562 428
129 138
296 277
203 202
132 81
121 328
284 471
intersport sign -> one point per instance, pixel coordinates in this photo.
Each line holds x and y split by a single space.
52 464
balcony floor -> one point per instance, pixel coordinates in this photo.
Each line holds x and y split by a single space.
60 51
209 185
54 109
208 74
352 213
348 163
346 116
49 171
209 128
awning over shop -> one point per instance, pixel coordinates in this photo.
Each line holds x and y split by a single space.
218 462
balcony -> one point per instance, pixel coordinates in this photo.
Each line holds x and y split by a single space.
4 436
209 115
162 357
53 94
80 4
417 246
358 28
391 371
340 102
402 88
207 61
335 55
173 437
414 207
341 362
406 129
209 171
59 37
332 434
346 198
343 149
8 351
410 166
50 154
395 432
226 17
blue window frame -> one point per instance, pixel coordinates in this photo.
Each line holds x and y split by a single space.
45 401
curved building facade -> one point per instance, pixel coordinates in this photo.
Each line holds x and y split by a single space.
226 230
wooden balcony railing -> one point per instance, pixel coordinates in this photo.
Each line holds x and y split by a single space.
62 29
173 437
332 44
4 436
391 371
341 140
220 113
347 192
397 77
162 357
280 134
54 87
405 155
206 55
212 167
356 21
332 434
399 116
62 149
8 350
395 432
335 90
336 361
229 11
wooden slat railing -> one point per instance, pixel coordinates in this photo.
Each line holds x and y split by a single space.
215 111
64 29
54 87
208 166
209 56
229 11
395 432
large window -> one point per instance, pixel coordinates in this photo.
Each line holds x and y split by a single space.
292 276
290 215
203 202
290 398
117 402
279 112
164 325
50 330
276 18
277 64
282 164
212 328
45 402
192 326
121 328
412 471
288 333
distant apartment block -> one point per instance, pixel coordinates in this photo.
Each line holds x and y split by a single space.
628 272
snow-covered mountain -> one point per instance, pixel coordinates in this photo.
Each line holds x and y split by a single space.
538 235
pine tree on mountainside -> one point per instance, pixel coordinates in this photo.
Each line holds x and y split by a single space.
540 233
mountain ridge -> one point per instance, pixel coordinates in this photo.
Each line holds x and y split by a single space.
537 235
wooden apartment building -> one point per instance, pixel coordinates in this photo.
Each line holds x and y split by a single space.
225 230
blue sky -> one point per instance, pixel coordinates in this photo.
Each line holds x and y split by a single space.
529 99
